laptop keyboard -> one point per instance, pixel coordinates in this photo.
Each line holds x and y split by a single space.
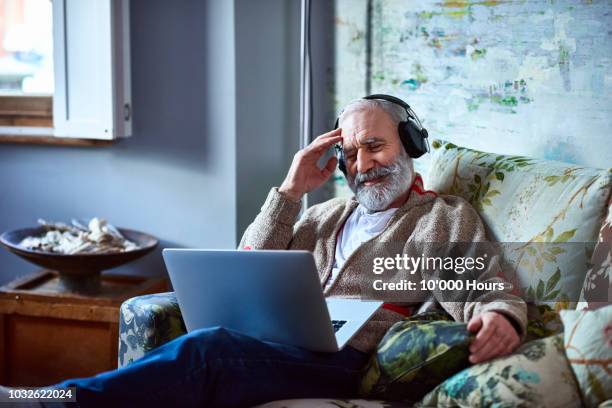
337 324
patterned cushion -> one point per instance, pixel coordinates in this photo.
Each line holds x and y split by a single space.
537 374
147 322
588 345
543 321
547 214
597 286
331 403
415 355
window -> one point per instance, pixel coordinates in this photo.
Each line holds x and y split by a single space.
64 70
26 63
26 47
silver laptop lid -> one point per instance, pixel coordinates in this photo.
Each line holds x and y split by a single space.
270 295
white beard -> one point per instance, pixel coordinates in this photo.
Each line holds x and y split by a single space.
378 197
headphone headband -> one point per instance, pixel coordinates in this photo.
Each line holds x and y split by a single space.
397 101
389 98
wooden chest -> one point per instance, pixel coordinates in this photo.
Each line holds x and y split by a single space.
48 335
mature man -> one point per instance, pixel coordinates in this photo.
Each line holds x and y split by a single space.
218 367
389 206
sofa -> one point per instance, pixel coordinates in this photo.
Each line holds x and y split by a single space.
524 202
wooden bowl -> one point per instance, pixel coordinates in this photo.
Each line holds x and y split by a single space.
78 272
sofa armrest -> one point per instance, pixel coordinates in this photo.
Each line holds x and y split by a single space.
147 322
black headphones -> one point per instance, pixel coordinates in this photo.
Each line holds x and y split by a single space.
411 132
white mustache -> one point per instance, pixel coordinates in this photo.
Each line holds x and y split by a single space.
375 173
378 197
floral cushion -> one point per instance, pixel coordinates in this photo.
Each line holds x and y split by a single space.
546 214
544 321
597 287
331 403
588 345
147 322
415 355
536 375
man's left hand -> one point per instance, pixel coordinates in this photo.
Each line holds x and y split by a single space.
495 337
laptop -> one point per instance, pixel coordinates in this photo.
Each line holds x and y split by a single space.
271 295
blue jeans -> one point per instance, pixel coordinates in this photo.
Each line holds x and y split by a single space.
217 367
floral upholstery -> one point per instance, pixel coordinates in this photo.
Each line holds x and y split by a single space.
597 287
588 346
545 214
416 354
521 200
332 403
147 322
536 375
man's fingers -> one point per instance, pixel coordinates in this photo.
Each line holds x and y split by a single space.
487 351
331 164
319 146
494 352
334 132
495 337
512 345
508 349
474 324
504 346
483 336
329 167
496 347
324 142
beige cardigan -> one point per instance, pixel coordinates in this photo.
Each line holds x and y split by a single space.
425 218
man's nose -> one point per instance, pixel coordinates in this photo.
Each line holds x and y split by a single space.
364 161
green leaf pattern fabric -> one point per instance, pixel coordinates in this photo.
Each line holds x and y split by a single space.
536 375
146 322
415 355
547 211
545 214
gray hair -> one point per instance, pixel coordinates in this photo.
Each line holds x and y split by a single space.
395 112
400 173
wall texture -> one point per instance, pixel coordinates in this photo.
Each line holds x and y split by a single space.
519 77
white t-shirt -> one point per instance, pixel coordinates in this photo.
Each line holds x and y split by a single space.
360 227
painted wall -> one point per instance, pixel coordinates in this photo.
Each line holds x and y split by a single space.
267 125
181 176
264 110
518 77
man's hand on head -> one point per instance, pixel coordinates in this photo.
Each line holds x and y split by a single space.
495 337
304 174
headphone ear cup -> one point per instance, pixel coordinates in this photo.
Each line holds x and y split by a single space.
341 163
340 153
413 139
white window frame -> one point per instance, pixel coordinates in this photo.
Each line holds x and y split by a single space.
91 58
